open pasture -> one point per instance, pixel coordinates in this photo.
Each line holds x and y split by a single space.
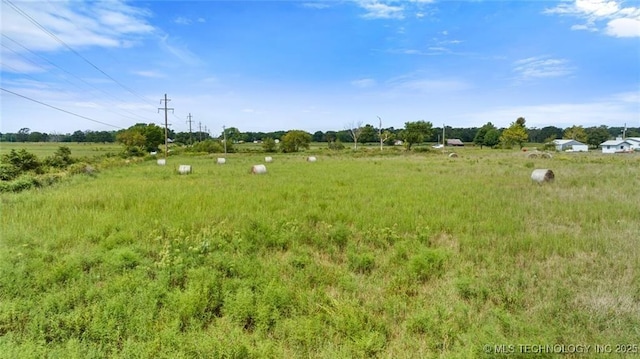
395 256
44 149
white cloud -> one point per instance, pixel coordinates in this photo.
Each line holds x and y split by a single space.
181 20
419 82
620 21
316 5
103 24
379 10
624 27
541 67
179 50
151 74
363 83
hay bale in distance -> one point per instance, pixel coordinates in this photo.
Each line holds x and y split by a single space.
542 175
259 169
311 159
453 155
221 161
184 169
546 155
162 162
268 159
532 155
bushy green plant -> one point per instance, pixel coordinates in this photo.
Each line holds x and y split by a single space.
269 145
22 161
336 145
60 159
428 263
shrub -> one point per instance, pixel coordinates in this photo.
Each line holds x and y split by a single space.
61 158
362 262
336 145
8 172
22 161
428 263
269 145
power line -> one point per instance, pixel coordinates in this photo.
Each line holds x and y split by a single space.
67 72
59 109
52 35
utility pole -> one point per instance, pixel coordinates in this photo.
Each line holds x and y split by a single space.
166 125
380 132
200 131
224 139
206 133
189 121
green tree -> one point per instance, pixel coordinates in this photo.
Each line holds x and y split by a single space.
575 133
492 137
479 139
368 134
23 135
597 135
416 132
78 136
146 137
516 134
294 140
318 136
269 145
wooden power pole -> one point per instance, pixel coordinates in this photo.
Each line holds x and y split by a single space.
166 125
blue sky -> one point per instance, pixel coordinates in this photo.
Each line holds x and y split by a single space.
319 65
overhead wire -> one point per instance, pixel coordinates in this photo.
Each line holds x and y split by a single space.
59 109
68 73
52 35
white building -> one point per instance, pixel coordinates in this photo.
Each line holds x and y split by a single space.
618 146
573 145
635 143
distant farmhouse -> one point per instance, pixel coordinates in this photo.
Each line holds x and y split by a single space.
570 145
620 145
454 142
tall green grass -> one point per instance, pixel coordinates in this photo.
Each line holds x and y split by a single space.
352 256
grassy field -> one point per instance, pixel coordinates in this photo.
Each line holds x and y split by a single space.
357 255
79 150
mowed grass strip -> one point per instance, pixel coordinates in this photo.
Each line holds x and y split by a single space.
350 256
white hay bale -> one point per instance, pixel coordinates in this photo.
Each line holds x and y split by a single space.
222 161
184 169
542 175
311 159
162 162
153 153
453 155
268 159
259 169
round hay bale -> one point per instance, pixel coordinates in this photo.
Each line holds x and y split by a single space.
532 155
268 159
222 161
311 159
542 175
184 169
162 162
259 169
453 155
546 155
153 153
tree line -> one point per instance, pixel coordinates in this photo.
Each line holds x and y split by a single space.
488 135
